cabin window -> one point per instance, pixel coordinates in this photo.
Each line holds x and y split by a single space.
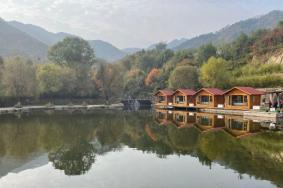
204 120
179 118
180 99
245 99
161 115
204 99
239 100
161 99
238 125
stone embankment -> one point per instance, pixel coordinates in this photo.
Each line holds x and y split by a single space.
8 110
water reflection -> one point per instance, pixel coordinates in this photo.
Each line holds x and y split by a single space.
74 160
73 142
236 126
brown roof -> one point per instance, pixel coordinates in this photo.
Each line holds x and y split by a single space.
214 91
166 92
186 91
247 90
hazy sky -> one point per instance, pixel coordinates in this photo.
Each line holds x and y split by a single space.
134 23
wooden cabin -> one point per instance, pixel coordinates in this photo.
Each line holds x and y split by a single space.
184 98
163 98
209 122
183 118
209 98
243 98
239 127
163 117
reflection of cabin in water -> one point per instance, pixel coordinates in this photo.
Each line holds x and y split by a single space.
208 122
183 118
239 127
184 98
163 116
209 98
163 98
243 98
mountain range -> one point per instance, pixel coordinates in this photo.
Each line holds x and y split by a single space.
231 32
29 40
103 50
16 42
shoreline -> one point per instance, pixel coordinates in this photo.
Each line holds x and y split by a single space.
8 110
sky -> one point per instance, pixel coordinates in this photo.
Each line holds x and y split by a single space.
134 23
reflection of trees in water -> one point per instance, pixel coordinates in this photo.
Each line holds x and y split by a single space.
75 160
257 155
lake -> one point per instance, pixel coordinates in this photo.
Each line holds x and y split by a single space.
142 149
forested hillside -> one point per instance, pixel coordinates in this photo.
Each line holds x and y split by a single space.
231 32
73 70
33 41
254 60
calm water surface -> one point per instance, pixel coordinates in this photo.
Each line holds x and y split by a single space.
118 149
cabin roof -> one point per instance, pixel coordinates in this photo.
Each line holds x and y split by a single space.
186 91
166 92
213 91
247 90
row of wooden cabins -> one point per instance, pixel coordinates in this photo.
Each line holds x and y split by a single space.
236 98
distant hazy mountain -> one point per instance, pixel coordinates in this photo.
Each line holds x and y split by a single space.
103 50
106 50
174 43
39 33
231 32
25 39
170 45
130 51
15 42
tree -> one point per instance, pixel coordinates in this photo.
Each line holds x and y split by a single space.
184 77
151 76
19 78
54 79
1 72
134 83
72 51
77 54
161 46
48 76
108 80
205 52
1 61
215 73
75 160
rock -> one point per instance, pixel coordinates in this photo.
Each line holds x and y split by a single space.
276 58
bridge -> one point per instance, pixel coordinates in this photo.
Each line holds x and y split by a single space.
137 103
